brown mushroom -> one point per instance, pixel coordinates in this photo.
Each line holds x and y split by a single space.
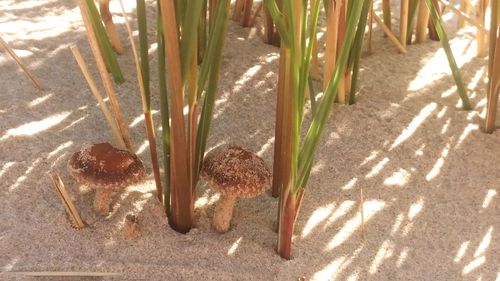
234 172
105 169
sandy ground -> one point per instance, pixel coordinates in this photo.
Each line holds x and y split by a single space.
430 177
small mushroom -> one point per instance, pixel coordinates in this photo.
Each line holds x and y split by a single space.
234 172
105 169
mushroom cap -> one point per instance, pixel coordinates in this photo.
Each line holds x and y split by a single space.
232 170
103 166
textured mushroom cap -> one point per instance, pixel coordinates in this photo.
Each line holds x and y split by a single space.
234 170
103 166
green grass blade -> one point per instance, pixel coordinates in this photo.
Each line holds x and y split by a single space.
189 34
164 112
325 105
143 48
312 94
436 19
104 43
278 20
356 50
202 32
217 39
306 64
412 19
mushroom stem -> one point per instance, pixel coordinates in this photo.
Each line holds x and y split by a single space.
102 200
223 213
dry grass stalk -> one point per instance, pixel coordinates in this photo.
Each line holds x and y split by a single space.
181 205
76 220
238 9
403 26
332 27
433 35
247 13
386 7
93 87
26 70
481 35
370 28
422 22
389 34
101 66
464 8
271 35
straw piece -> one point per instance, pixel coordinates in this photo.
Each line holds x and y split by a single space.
101 66
389 34
93 87
26 70
76 220
68 274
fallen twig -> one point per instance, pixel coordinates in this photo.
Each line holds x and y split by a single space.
76 220
26 70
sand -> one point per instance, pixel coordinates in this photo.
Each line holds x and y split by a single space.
429 175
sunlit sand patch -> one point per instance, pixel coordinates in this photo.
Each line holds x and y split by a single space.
397 224
350 185
402 256
337 266
60 148
342 210
377 168
473 265
399 178
487 200
39 100
234 247
461 251
485 243
414 124
317 218
385 251
436 169
467 131
370 207
415 209
36 127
